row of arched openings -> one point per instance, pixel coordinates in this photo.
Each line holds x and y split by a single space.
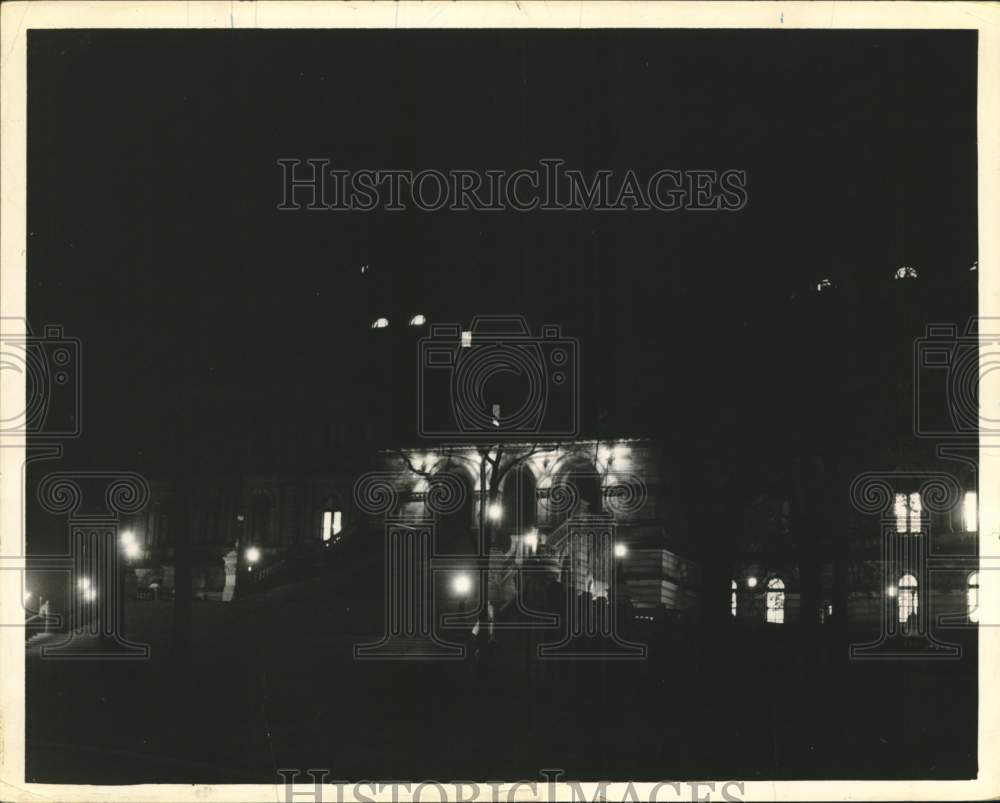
907 593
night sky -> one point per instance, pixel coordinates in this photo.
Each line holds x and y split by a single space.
206 314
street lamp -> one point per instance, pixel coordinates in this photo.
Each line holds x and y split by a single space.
130 545
752 582
620 550
461 584
495 511
83 583
252 555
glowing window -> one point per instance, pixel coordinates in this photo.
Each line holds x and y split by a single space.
909 600
907 510
972 598
970 512
775 602
732 598
380 323
466 339
332 524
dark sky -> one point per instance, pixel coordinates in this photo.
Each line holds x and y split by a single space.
205 313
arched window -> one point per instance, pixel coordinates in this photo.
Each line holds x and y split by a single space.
972 598
909 602
907 509
775 601
333 523
732 598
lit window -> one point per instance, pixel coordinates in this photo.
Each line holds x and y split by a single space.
909 602
907 509
775 602
905 272
418 320
732 598
380 323
332 524
970 512
466 339
972 598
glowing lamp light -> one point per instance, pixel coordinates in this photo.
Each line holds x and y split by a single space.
418 320
620 550
90 594
380 323
891 591
252 554
752 582
461 585
494 511
466 339
83 583
130 545
531 540
27 596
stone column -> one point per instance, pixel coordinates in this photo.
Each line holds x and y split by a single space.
230 560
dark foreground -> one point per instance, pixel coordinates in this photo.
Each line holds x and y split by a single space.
272 684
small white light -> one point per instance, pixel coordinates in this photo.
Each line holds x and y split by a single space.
905 272
970 512
252 554
891 591
84 583
132 550
752 582
418 320
494 511
380 323
466 339
461 584
823 284
620 550
531 540
90 594
127 537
